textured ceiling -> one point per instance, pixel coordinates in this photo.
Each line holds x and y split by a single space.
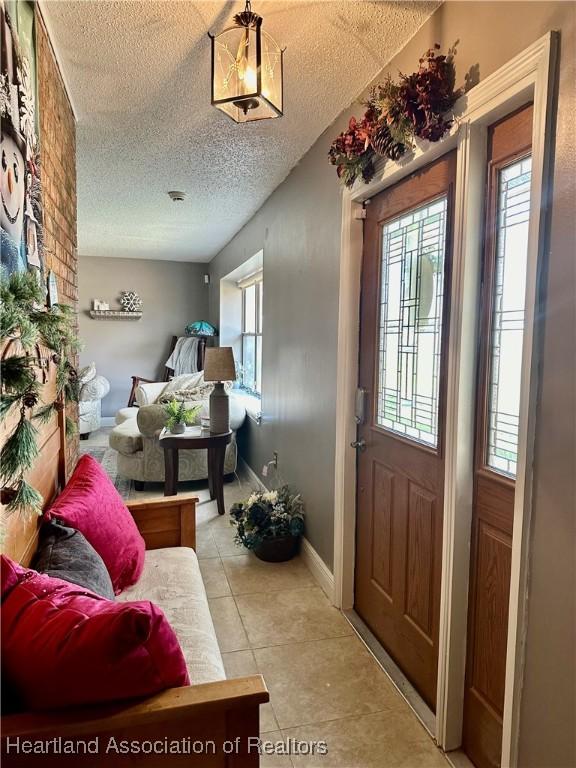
139 76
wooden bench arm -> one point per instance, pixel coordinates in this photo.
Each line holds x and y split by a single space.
190 702
166 522
213 714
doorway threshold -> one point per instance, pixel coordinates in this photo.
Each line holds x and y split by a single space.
398 678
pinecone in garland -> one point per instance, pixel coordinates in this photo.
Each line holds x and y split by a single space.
30 399
383 143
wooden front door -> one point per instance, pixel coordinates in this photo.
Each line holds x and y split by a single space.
498 404
403 349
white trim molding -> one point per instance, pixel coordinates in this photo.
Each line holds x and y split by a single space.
321 574
527 77
257 482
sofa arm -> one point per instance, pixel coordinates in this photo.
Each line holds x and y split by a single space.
95 389
166 522
151 419
136 382
224 711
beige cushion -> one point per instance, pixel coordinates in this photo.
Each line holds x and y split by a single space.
171 580
189 387
126 413
126 438
151 419
184 381
148 392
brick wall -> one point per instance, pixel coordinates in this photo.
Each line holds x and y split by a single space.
58 173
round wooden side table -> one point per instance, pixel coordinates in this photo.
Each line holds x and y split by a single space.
196 438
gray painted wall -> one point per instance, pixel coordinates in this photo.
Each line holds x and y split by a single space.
299 229
173 295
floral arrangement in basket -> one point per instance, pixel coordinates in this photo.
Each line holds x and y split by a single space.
266 516
396 114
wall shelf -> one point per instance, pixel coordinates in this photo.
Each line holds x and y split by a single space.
114 314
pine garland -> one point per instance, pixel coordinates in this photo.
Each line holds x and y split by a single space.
18 452
70 427
17 373
45 413
6 403
26 499
25 322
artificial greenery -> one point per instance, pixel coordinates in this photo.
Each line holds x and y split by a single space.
397 113
24 498
27 329
19 451
267 515
177 412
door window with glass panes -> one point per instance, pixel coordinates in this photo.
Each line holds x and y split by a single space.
252 295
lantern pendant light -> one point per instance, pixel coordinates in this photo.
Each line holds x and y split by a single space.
247 70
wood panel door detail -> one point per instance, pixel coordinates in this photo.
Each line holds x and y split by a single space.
403 350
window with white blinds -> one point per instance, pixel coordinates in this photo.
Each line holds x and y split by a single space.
252 295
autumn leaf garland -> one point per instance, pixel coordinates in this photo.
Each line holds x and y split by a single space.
398 112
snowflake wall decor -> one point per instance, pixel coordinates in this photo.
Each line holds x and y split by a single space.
130 301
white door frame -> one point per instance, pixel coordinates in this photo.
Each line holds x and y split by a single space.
530 76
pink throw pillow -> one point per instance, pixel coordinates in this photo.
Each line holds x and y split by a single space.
63 646
91 504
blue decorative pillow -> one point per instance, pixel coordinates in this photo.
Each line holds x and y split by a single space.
64 553
200 328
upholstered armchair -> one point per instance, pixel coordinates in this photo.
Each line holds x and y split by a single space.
93 388
135 436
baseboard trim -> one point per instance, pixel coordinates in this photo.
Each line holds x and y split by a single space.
251 474
107 421
318 568
321 574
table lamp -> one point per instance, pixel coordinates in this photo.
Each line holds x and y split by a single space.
219 367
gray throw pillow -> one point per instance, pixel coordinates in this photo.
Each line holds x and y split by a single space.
64 553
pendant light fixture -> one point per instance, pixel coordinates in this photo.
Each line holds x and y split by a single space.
247 70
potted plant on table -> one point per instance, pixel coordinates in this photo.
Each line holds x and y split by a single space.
270 523
179 415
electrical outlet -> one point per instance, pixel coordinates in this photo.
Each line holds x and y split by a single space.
265 470
275 459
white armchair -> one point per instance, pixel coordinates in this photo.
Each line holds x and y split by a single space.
93 388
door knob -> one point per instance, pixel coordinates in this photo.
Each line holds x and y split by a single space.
359 444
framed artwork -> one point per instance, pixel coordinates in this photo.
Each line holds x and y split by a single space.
21 205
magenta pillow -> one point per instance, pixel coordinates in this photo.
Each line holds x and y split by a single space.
63 645
91 504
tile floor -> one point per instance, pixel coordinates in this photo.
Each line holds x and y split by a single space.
324 685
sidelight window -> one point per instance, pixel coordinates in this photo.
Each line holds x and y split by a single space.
507 318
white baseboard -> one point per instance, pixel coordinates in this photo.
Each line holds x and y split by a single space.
317 567
107 421
254 479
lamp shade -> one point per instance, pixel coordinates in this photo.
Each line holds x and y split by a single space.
219 364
